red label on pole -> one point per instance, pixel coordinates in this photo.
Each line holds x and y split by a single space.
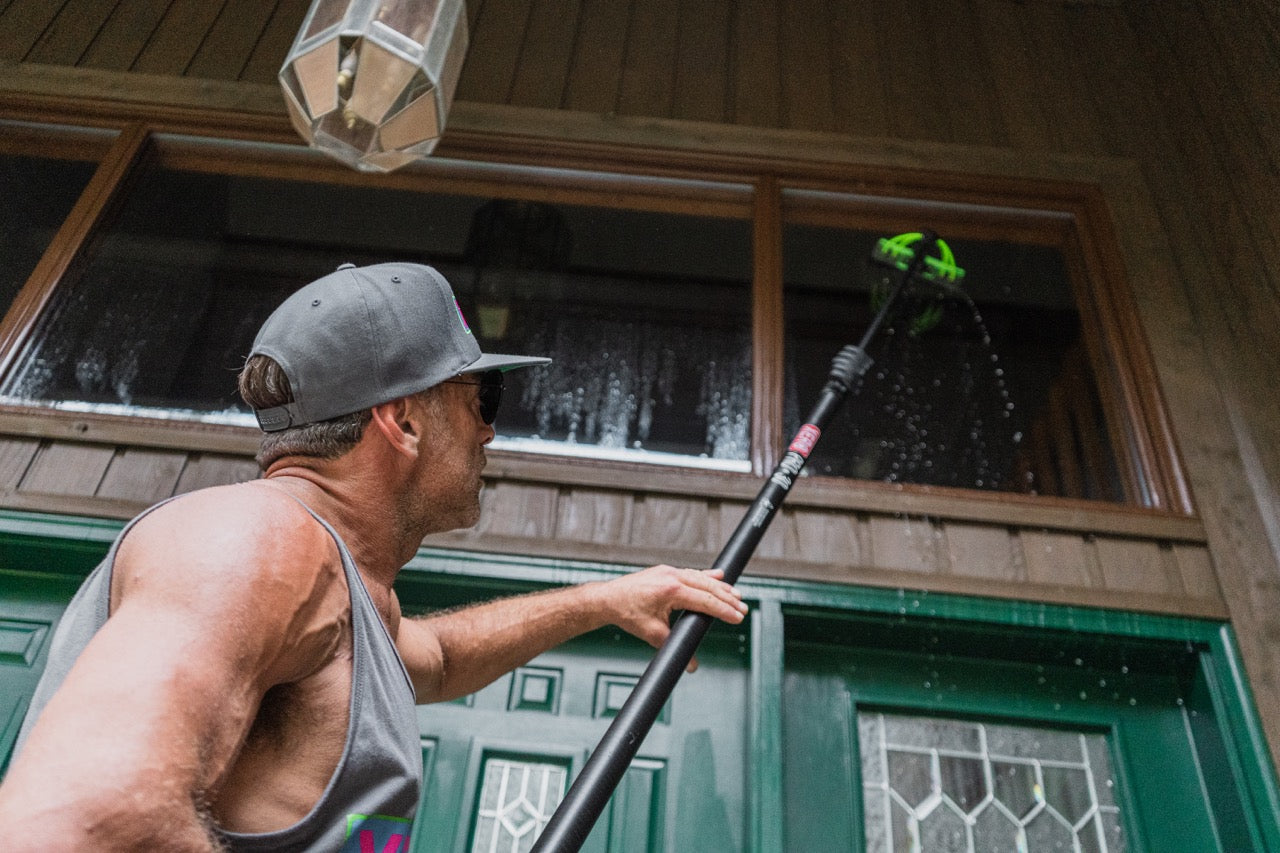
805 439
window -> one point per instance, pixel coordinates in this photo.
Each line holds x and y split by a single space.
41 183
646 312
963 392
692 317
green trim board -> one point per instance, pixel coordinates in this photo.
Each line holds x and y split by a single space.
42 558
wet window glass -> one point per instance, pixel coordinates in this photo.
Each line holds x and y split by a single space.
647 318
988 388
646 313
952 786
39 193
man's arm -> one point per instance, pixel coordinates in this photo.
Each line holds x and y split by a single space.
452 654
129 750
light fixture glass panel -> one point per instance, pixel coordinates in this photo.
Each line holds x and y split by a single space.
413 19
1016 787
324 14
414 122
911 776
1066 789
379 84
1046 831
962 780
994 831
314 71
357 64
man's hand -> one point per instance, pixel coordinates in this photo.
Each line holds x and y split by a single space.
641 603
458 652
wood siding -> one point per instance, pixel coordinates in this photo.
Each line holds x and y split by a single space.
1185 93
1074 553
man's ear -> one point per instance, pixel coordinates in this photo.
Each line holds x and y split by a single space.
394 421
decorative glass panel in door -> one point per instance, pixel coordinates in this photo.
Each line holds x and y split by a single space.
938 737
942 785
517 798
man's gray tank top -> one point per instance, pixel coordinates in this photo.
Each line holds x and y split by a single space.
372 796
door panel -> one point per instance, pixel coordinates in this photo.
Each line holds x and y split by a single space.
29 610
1140 705
504 756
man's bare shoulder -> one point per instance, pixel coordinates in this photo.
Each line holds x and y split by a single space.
247 538
229 525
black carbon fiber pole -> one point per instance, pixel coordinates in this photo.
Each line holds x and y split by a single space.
578 811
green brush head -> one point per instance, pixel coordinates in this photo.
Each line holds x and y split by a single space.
941 272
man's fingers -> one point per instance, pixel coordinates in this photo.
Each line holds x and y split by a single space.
712 596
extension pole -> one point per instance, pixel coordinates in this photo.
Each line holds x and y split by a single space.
578 811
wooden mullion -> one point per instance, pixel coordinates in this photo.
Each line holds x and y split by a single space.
1064 446
1084 417
767 329
1119 400
1042 464
67 244
1159 452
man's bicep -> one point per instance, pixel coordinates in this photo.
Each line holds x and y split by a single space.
423 658
152 676
150 708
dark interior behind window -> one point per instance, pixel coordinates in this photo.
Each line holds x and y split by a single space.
38 194
970 402
647 314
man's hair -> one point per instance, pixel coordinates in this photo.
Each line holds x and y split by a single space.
263 384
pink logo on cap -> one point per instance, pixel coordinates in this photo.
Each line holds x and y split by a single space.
462 318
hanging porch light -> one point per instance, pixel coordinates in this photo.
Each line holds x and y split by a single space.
369 82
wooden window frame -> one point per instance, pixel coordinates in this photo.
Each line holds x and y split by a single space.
1070 216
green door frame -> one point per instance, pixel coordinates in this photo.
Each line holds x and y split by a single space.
44 555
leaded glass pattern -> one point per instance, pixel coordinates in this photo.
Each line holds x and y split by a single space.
517 798
933 785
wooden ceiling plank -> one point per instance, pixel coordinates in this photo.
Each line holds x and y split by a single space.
178 37
124 35
595 73
273 45
227 46
69 35
23 23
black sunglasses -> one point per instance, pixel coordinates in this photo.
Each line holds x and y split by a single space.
490 394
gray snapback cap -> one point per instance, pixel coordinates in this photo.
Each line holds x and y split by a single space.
361 336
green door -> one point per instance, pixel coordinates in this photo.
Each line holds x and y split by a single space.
934 738
496 765
29 610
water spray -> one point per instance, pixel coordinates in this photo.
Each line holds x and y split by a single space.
922 268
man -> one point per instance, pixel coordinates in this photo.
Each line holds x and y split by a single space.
229 676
